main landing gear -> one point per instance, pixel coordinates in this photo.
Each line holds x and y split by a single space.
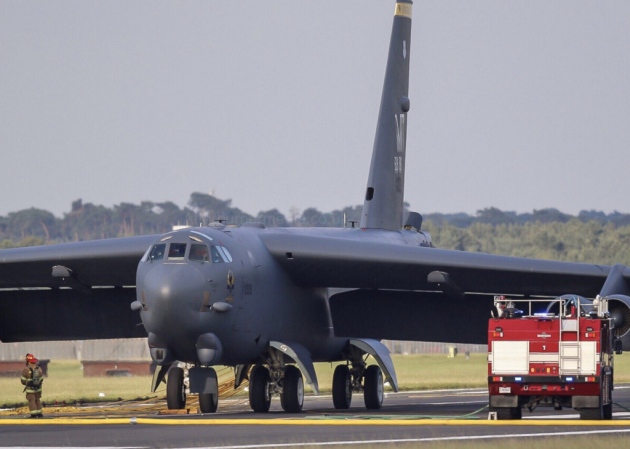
287 382
357 378
272 376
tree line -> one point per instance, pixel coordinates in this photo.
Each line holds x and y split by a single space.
591 236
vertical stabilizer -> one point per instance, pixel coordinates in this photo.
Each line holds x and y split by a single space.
383 206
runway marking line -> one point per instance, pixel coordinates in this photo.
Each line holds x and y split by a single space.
418 440
310 422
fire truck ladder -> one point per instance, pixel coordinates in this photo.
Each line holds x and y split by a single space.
570 352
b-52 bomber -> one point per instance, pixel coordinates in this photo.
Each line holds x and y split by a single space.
271 302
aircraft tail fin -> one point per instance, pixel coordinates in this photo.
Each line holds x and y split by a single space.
383 206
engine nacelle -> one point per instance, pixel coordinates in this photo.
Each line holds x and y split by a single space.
619 308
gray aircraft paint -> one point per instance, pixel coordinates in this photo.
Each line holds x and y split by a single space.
320 293
383 205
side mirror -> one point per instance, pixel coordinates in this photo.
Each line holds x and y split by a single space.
618 346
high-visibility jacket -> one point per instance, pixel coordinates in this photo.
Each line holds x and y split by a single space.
32 379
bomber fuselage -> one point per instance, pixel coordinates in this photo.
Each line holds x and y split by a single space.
220 287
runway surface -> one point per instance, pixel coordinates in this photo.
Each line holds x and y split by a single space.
405 417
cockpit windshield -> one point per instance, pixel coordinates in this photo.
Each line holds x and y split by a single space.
216 257
220 254
198 252
157 252
176 250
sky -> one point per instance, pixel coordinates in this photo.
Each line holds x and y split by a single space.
518 105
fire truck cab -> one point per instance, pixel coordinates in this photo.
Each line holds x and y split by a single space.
556 353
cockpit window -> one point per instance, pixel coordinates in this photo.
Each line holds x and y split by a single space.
199 252
157 252
225 254
220 254
176 251
216 257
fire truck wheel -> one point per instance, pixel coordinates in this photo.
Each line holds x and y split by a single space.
608 411
509 413
608 384
592 414
597 413
517 413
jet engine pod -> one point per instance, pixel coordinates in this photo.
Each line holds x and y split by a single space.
209 349
619 308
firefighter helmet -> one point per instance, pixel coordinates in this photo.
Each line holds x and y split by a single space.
30 358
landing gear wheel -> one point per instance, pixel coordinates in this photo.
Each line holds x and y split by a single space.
373 387
175 389
342 387
208 402
259 397
292 397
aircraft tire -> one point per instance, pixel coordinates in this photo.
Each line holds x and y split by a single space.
175 390
292 397
373 387
208 402
342 387
259 396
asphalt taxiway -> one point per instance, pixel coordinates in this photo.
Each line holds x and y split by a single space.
405 417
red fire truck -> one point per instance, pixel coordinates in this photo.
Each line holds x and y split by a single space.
556 353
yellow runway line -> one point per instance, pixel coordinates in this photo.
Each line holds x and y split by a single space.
310 422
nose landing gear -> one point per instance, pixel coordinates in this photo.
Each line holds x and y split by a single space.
175 389
200 380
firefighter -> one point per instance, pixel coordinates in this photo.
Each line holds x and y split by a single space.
32 378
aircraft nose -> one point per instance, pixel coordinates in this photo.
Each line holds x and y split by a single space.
173 290
172 296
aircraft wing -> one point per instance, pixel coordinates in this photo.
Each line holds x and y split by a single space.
404 292
39 302
366 264
109 262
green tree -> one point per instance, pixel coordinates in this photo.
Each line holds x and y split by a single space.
87 222
32 223
272 218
